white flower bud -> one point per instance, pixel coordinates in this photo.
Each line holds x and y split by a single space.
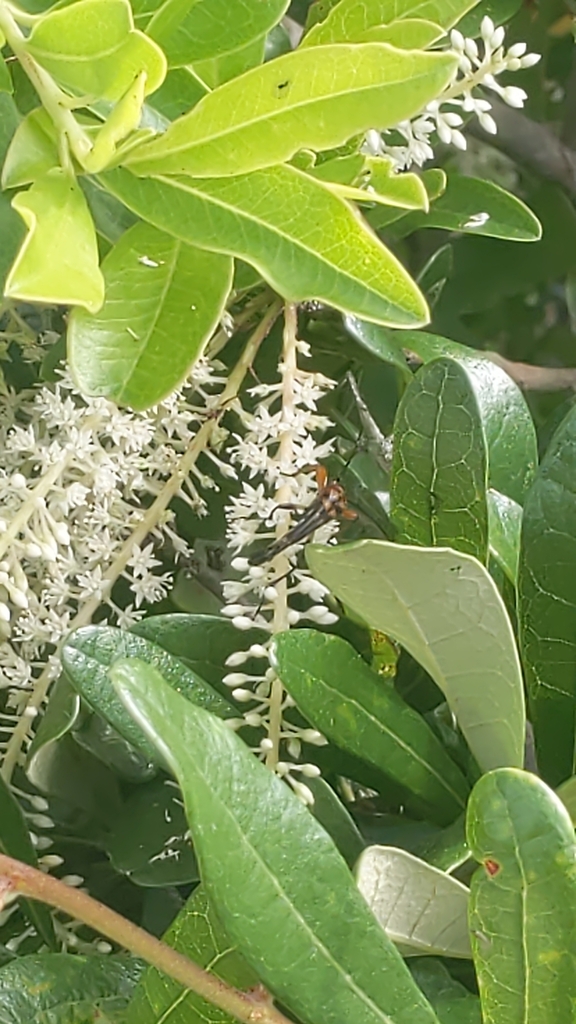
444 133
18 481
457 40
253 719
232 610
303 792
514 96
42 842
517 50
41 820
4 612
74 881
270 593
32 550
237 658
266 745
282 769
61 533
235 679
240 564
311 771
242 696
465 65
257 651
312 736
51 860
39 803
458 140
530 60
293 617
471 49
488 123
19 598
498 37
103 947
487 28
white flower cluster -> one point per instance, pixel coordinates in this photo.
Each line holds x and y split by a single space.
277 446
478 67
77 477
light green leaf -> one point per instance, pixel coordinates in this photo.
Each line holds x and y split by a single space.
478 207
247 824
404 189
180 91
216 70
58 261
264 218
423 910
547 603
92 47
6 84
522 899
198 934
504 524
163 300
361 713
438 484
452 1001
61 988
445 609
189 31
303 100
349 20
33 150
406 33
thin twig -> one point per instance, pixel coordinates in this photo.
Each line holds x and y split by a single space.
249 1007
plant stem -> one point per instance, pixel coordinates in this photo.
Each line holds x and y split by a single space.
200 441
21 879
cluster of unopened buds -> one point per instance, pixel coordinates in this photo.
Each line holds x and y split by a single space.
479 65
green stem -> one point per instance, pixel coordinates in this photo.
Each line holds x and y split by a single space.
54 100
249 1007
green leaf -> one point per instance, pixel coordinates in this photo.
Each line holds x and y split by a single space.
149 840
422 909
504 524
6 84
478 207
87 656
198 934
445 609
32 152
246 823
180 90
92 47
304 100
499 10
438 485
567 794
361 713
58 988
82 787
163 300
217 70
508 428
350 20
94 734
264 219
329 810
202 642
522 899
58 261
192 31
406 33
546 603
405 190
447 849
15 842
453 1003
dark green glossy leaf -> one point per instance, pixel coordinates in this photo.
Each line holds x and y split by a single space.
58 988
149 840
447 849
97 736
263 218
6 84
480 207
203 642
329 810
87 656
359 711
15 842
547 601
163 300
504 524
84 791
453 1003
197 932
522 899
438 486
61 714
422 909
334 962
445 610
180 91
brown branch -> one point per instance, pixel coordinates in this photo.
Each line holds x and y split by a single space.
530 143
253 1007
536 378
